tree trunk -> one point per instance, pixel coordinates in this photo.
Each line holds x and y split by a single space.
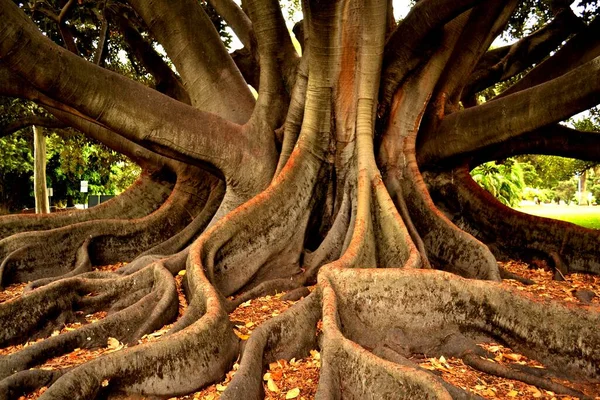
42 206
346 176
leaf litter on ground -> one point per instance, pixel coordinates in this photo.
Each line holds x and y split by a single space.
298 379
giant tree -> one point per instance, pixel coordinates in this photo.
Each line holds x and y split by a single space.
350 170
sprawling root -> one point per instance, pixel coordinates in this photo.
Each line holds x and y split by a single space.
292 334
568 247
191 356
34 255
434 313
140 199
137 304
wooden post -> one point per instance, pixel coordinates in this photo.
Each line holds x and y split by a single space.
42 206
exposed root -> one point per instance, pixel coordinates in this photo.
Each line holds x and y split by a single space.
27 381
142 198
569 248
292 334
52 253
82 264
188 359
506 372
153 304
428 312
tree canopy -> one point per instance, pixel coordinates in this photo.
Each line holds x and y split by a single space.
348 174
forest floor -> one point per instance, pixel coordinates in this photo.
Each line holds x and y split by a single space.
298 378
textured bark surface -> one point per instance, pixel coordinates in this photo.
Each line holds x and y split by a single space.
317 182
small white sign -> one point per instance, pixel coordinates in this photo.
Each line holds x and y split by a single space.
50 192
84 186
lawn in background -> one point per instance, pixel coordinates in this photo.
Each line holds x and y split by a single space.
587 216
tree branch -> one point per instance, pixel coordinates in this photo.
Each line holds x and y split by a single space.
402 48
65 31
139 113
28 121
499 120
485 23
582 48
102 39
556 140
278 60
237 20
519 56
209 74
166 80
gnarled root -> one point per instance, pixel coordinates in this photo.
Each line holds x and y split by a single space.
434 313
143 197
567 247
292 334
137 304
53 253
178 363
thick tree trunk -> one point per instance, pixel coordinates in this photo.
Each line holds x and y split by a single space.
42 206
318 183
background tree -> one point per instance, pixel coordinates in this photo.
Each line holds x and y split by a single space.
349 171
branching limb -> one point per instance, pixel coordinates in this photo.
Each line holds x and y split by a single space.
476 127
505 62
209 75
583 47
28 121
138 113
475 39
403 44
557 140
166 80
239 22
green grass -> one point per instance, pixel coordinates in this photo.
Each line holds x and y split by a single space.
588 217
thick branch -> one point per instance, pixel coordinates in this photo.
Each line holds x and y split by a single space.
237 20
28 121
135 111
556 140
166 80
498 120
584 47
505 62
278 60
404 43
209 75
485 22
102 39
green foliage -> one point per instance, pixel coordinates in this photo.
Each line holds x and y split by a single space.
544 195
565 191
504 180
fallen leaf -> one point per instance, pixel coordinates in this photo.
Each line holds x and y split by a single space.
272 386
292 393
220 388
513 357
113 343
246 303
181 273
